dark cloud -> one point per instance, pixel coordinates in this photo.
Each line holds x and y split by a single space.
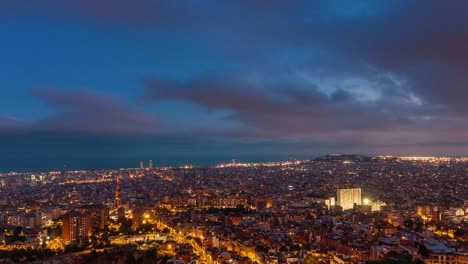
81 110
411 34
173 14
423 44
10 124
290 109
443 85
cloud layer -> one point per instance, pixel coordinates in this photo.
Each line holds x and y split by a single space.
380 73
85 111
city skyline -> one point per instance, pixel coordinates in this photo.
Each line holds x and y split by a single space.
301 77
234 132
336 209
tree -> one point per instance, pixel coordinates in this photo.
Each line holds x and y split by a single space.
295 247
150 256
126 226
419 227
409 224
166 231
459 232
94 240
17 234
262 248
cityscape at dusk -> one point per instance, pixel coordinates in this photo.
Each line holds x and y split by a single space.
237 132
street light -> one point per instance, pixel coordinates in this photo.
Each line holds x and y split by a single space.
366 201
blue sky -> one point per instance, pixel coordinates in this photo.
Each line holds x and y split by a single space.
376 77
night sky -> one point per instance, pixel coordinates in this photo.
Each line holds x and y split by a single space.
106 83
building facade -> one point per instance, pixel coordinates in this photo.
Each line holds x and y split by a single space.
346 198
76 227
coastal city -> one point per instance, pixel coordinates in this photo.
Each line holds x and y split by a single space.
234 132
333 209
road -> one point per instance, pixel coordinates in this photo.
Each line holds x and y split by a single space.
200 251
125 240
247 252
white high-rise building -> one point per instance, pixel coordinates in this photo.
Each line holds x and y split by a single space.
150 164
142 164
346 198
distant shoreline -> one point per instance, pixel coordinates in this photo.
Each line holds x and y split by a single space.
92 165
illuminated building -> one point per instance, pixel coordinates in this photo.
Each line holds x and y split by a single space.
76 227
99 215
330 202
150 164
142 164
137 217
377 205
346 198
437 252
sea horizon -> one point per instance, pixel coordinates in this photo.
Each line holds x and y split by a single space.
92 164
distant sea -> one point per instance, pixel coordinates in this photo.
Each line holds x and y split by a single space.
98 163
46 152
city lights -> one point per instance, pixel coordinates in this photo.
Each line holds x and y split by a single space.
234 132
366 201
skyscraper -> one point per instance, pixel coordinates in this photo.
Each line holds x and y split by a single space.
346 198
150 164
142 164
76 227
